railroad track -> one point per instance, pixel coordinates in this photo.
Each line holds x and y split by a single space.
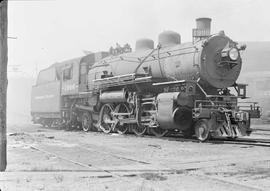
134 173
114 174
107 173
259 129
242 141
222 140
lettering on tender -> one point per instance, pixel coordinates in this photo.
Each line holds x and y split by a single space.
45 96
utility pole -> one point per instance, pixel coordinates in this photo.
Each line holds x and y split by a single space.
3 84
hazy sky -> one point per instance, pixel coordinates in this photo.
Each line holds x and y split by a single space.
55 30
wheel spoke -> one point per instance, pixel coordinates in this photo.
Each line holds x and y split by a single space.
107 121
139 130
122 108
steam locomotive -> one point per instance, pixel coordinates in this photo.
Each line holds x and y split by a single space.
174 87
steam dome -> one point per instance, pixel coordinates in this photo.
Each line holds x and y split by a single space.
168 38
144 44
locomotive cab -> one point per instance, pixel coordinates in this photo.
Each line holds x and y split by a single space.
70 77
85 63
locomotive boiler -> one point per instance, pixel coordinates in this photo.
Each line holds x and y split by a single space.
171 87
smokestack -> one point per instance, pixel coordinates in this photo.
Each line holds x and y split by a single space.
204 24
202 30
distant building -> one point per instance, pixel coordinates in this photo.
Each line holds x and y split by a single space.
256 73
256 57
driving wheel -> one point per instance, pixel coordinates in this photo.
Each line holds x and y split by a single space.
122 108
107 120
87 122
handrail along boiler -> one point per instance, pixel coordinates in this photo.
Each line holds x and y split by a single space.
174 87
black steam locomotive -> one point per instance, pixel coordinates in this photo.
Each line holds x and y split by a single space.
183 87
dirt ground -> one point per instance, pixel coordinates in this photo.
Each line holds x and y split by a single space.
48 159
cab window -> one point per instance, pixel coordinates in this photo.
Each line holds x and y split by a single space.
46 76
84 68
67 74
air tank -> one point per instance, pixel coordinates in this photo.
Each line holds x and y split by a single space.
113 96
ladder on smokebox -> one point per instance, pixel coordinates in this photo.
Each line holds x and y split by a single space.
120 80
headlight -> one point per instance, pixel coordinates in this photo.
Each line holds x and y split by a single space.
238 116
233 54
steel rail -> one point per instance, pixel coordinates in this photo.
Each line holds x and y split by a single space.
216 140
221 140
113 173
132 173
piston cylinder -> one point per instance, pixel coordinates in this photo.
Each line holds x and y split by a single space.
113 96
171 117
